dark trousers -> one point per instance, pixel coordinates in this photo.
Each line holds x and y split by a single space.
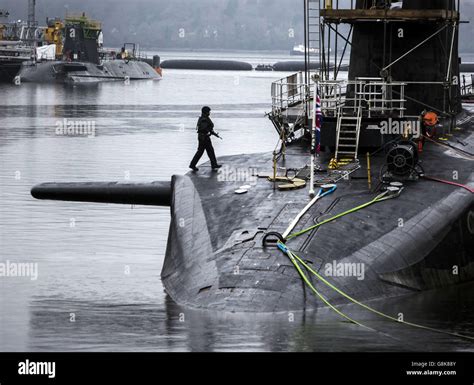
204 144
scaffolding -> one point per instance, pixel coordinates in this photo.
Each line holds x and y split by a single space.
381 96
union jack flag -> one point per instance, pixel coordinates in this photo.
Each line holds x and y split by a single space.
318 122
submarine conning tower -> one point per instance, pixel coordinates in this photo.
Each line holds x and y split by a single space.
402 59
82 37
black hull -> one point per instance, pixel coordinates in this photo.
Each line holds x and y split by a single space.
83 72
8 71
215 258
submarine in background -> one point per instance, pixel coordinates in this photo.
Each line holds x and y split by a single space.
406 215
73 52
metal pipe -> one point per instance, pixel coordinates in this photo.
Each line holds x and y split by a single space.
31 13
305 27
415 48
313 140
448 75
335 45
274 170
329 54
369 173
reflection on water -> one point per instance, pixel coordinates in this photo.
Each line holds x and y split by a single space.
104 326
99 265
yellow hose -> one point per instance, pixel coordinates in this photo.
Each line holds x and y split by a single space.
345 295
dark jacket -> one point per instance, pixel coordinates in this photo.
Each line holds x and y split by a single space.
205 126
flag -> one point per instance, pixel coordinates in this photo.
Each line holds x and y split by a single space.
317 123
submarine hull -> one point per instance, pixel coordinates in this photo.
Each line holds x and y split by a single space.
215 257
84 72
8 71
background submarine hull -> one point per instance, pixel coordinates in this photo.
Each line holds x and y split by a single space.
83 72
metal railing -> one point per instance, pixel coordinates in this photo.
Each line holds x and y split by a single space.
288 92
374 96
377 96
467 88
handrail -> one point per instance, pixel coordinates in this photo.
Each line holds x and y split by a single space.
467 89
371 95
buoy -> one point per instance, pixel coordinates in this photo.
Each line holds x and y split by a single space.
193 64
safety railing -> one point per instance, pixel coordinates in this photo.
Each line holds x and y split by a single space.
467 88
379 97
289 92
373 96
332 94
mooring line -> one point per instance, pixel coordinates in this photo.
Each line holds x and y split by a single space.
294 258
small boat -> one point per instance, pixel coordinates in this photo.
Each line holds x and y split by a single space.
264 67
299 50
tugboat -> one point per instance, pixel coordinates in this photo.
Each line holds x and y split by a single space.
81 58
370 194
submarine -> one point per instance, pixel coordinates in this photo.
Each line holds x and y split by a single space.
73 52
372 174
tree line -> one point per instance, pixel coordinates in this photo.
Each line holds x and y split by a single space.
198 24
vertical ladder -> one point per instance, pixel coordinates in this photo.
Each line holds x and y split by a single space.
348 133
312 48
313 31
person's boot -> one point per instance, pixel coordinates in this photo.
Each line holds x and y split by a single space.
194 168
217 166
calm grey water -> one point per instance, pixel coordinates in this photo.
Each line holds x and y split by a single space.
99 265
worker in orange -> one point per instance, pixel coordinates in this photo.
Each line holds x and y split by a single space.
429 121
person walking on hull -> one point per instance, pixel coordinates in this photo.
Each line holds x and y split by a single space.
205 129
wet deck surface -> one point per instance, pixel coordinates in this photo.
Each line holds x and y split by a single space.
236 224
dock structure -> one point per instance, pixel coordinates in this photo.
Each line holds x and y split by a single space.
390 46
351 16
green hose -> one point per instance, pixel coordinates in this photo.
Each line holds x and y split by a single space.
295 259
380 198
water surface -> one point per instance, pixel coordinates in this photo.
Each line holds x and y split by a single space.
99 265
